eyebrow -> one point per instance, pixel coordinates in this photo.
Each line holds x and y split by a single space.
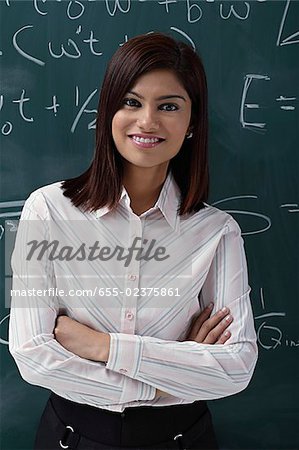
163 97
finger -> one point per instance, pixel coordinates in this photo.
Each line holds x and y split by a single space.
216 332
211 323
224 337
199 320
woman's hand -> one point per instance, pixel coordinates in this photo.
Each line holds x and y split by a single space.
81 339
210 330
207 330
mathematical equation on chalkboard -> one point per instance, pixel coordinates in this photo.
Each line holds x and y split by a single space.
194 11
285 103
53 108
88 42
271 336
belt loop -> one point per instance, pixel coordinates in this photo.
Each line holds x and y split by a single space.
179 440
70 439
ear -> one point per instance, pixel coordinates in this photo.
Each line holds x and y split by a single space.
189 134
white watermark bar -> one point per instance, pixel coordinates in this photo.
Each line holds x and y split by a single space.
84 264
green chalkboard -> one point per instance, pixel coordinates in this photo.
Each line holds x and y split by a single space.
53 56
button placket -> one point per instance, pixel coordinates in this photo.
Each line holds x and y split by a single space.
129 307
132 277
129 315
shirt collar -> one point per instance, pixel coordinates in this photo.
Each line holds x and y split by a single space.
124 197
168 202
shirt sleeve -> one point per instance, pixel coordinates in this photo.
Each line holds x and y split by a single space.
41 360
190 370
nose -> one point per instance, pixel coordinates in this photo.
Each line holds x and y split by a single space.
147 119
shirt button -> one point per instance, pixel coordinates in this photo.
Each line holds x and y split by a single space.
132 277
123 370
129 315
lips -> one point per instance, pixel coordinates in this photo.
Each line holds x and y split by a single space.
146 141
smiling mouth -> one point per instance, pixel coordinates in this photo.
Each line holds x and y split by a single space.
146 142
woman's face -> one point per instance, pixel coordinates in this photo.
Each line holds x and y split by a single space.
151 125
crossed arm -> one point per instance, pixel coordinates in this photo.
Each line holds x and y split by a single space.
94 345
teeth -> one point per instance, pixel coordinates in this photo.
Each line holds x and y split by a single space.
145 140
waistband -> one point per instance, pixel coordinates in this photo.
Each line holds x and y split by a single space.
135 426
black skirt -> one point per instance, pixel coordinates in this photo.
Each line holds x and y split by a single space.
70 425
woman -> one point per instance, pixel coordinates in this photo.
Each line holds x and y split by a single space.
132 363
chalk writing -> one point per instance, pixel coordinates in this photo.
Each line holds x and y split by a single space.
6 129
291 205
282 98
21 102
8 126
265 219
292 38
247 83
182 33
235 10
271 337
3 320
75 9
54 107
82 110
117 7
73 51
72 6
254 126
22 52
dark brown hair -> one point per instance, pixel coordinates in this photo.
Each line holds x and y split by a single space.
101 184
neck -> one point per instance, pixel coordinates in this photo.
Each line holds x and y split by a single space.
143 186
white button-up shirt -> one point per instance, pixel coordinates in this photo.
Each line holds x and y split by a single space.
142 279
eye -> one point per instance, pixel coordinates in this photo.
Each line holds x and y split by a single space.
169 107
130 102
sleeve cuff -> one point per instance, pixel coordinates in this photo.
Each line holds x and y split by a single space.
125 353
137 390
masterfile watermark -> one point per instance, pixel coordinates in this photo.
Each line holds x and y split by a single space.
53 250
97 291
